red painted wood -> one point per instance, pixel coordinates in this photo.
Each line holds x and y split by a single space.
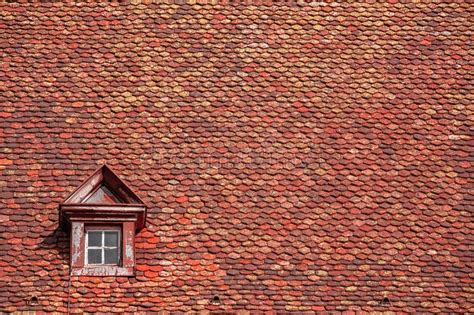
127 250
128 241
103 201
77 241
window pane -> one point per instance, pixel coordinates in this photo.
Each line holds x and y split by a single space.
94 238
111 256
94 256
111 239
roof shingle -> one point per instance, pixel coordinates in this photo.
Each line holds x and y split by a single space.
294 157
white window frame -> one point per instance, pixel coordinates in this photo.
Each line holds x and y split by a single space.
103 247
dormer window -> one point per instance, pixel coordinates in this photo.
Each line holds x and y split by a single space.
103 215
103 246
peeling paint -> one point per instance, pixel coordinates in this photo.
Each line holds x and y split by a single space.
103 271
129 251
76 242
129 246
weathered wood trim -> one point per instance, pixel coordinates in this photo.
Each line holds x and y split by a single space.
118 213
127 251
101 271
88 185
104 174
77 244
128 241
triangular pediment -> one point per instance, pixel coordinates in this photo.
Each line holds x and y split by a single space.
103 195
103 187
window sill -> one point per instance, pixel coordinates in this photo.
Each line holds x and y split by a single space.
100 271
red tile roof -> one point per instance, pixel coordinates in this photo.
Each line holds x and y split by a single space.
294 157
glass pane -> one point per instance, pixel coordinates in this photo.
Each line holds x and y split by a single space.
111 239
94 238
111 256
94 256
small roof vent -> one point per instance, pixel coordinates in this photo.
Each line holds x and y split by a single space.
216 300
385 302
33 301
